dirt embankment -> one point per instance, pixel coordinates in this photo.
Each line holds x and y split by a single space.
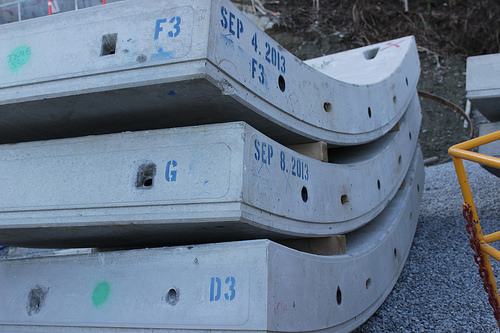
446 32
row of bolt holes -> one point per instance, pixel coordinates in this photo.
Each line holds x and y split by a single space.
345 199
172 296
368 281
328 106
108 47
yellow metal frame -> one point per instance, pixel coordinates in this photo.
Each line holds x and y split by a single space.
462 152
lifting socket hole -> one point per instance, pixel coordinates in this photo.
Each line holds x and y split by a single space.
406 79
36 299
339 296
368 283
304 194
145 175
395 252
327 107
378 184
409 135
108 44
281 83
400 159
394 99
172 296
344 199
369 112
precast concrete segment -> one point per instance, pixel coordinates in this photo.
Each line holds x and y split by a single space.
492 148
193 184
131 66
483 86
244 286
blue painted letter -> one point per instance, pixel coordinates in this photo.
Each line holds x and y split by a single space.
256 143
170 172
231 282
215 293
158 27
223 21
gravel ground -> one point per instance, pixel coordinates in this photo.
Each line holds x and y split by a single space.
439 289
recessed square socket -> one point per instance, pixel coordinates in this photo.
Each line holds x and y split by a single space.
108 45
145 175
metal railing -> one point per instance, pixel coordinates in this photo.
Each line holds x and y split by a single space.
480 243
21 10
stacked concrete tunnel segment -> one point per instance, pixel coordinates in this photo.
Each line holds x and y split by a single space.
279 195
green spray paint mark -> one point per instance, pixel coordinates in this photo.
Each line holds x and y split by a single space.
19 57
101 293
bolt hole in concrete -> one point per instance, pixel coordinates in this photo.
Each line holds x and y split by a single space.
378 184
141 58
406 79
395 252
108 45
409 134
369 112
304 194
400 159
327 107
172 296
344 199
368 283
394 99
339 296
281 83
